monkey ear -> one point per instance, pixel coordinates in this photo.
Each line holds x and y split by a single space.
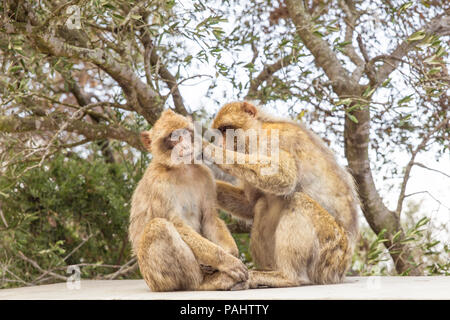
249 108
146 139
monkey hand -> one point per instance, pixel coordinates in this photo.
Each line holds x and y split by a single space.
243 285
207 269
235 268
234 251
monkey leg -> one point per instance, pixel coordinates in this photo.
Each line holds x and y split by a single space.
167 263
165 260
310 247
273 279
209 254
286 251
328 247
221 281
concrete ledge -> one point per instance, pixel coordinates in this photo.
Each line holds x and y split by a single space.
353 288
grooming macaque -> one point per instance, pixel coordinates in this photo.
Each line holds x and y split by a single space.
179 240
304 213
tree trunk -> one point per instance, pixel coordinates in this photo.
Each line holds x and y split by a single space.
379 217
356 136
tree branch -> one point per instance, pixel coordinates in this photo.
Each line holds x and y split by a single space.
3 217
14 124
350 21
164 73
145 100
266 73
36 265
84 101
431 169
324 57
411 162
130 266
428 193
440 26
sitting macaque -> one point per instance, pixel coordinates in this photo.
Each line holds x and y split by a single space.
175 231
304 212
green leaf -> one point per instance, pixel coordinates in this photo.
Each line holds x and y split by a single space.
332 28
434 70
405 6
386 82
425 3
354 107
118 16
407 240
318 33
352 117
418 35
345 101
344 43
15 68
368 92
202 23
432 60
404 120
432 244
109 6
422 222
396 236
405 99
440 52
301 114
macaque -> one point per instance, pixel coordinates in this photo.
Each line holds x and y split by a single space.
179 240
304 212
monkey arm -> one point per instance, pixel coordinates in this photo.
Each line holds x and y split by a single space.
209 254
215 229
205 251
233 200
277 176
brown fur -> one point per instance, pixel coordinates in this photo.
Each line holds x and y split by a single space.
174 227
304 215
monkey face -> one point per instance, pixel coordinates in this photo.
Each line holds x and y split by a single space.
171 139
238 125
181 144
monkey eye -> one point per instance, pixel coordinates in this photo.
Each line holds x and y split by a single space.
170 143
223 129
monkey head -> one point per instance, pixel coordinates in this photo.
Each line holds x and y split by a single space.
170 140
238 121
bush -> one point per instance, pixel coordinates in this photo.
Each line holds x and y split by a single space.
69 211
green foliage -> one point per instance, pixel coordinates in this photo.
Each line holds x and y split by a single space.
242 241
372 258
70 211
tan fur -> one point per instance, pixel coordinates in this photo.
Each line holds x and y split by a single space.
304 215
174 227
